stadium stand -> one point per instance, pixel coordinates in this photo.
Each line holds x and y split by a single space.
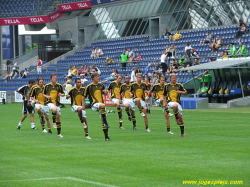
150 51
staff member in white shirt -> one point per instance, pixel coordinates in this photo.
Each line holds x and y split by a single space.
163 62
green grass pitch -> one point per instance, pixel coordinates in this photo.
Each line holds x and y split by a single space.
216 148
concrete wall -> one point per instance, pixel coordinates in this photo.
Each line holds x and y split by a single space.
28 63
240 102
71 26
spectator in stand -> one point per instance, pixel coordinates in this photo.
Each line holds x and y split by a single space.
168 51
242 51
25 73
203 90
7 77
184 64
83 79
15 71
220 55
109 60
99 52
174 52
94 69
163 62
123 59
188 49
113 76
225 55
157 67
68 85
84 70
241 31
218 43
240 24
131 55
196 62
138 58
74 71
176 37
181 60
167 34
93 52
232 50
147 70
70 72
195 56
126 51
213 40
133 74
39 65
208 39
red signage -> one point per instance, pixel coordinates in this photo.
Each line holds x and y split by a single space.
46 19
56 15
74 6
25 20
108 101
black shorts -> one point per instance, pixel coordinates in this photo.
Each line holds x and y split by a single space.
27 109
206 41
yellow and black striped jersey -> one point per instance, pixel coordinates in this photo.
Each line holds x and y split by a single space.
94 93
53 91
158 89
37 92
76 95
139 90
125 88
170 92
115 89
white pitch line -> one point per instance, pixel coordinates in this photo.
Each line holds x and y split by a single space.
91 182
55 178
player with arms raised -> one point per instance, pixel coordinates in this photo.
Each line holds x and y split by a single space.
171 99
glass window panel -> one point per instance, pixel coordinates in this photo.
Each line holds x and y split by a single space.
97 33
136 26
151 7
123 26
162 7
116 13
143 4
130 10
145 9
127 11
136 9
111 11
169 6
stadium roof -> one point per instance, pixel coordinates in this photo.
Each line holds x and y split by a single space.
219 64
